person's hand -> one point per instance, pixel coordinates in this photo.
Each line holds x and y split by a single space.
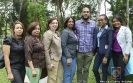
33 73
125 59
10 77
104 60
50 67
68 62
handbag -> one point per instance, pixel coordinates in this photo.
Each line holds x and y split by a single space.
2 63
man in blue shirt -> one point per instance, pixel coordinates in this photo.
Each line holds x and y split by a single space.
86 33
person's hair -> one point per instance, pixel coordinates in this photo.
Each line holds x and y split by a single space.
117 18
50 21
66 22
32 26
106 18
17 22
85 7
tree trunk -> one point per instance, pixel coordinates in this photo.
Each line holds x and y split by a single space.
21 5
58 10
105 6
127 13
99 7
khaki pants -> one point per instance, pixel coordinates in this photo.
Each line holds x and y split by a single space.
83 63
55 75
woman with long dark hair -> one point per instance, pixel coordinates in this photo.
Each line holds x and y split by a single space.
122 43
103 49
69 50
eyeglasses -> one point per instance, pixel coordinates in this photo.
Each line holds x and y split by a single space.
54 23
100 20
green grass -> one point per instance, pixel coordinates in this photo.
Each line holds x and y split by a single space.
3 76
91 78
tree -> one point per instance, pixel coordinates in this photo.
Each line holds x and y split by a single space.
37 12
118 7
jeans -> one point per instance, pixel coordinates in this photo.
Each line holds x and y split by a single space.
97 62
69 71
18 72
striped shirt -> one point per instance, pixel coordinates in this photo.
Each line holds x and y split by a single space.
86 34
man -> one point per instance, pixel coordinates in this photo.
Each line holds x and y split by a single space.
86 33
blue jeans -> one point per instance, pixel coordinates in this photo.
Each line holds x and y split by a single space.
69 71
97 62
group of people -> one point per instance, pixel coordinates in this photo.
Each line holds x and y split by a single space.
77 44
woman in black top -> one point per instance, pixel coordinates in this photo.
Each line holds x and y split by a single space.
13 48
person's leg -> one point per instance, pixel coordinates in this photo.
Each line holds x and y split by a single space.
31 78
115 58
122 65
87 61
22 72
52 74
105 70
73 68
96 65
17 76
80 62
67 70
59 73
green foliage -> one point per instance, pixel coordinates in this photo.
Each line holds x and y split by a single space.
79 4
37 12
118 7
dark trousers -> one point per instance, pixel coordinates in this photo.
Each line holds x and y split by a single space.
97 62
118 62
18 72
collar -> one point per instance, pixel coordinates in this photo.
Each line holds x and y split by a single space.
83 22
106 27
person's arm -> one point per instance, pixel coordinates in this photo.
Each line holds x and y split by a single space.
128 40
6 51
94 41
32 68
64 40
28 53
47 39
110 42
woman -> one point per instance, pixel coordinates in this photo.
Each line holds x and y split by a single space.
69 47
104 45
53 51
13 48
122 43
34 53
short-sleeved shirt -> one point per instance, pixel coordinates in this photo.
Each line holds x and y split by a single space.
34 51
16 50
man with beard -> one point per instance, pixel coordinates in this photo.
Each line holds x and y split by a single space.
86 33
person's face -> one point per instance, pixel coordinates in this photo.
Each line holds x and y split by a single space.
36 31
18 30
53 25
102 21
116 23
85 13
70 23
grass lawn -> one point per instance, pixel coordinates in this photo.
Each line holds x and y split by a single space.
3 76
